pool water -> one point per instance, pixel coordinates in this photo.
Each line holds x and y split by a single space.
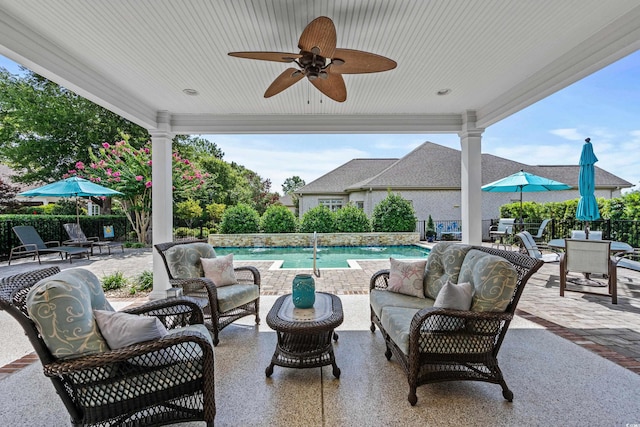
327 256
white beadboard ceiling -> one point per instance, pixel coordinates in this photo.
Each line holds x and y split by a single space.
135 57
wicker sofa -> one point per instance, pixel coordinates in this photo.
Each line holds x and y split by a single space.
435 344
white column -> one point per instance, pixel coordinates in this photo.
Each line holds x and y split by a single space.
471 179
162 199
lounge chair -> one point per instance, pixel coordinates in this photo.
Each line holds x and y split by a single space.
540 231
78 238
526 239
32 244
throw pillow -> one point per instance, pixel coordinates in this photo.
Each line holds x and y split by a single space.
407 277
457 297
220 270
123 329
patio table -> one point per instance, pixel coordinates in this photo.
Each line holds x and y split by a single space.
304 335
616 247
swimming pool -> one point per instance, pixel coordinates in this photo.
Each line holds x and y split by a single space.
327 256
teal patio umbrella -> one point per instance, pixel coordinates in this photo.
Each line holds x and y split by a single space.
71 187
521 182
587 205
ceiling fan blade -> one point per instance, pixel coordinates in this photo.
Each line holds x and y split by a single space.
283 81
320 33
333 87
358 62
267 56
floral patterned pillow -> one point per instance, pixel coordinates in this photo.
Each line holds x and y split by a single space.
220 270
406 277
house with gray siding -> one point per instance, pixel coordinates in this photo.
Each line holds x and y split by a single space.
429 177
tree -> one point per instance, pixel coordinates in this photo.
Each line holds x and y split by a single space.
188 210
8 201
292 184
126 169
193 147
289 187
45 129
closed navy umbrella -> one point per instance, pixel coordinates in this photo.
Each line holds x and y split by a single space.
587 205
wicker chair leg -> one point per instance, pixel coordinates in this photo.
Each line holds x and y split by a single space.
413 398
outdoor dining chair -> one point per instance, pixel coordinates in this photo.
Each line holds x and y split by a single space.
78 238
589 257
150 365
32 244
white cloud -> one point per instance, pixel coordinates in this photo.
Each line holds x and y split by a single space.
571 134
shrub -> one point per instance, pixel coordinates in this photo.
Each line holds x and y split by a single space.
278 219
351 219
144 281
319 219
114 281
240 219
393 214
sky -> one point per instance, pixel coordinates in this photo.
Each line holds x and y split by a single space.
604 106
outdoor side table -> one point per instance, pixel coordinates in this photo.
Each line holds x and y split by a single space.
304 335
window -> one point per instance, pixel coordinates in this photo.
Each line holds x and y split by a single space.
333 204
360 205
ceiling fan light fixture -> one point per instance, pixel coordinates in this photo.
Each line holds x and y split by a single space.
317 54
443 92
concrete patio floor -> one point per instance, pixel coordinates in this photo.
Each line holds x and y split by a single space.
569 361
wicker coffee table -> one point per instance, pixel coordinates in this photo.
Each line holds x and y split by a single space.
304 335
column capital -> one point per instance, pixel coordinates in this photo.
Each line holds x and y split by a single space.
469 128
163 126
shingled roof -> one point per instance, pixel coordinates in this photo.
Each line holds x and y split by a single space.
352 173
435 167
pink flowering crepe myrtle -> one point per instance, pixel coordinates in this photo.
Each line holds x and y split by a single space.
124 168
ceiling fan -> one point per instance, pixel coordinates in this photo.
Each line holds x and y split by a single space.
320 61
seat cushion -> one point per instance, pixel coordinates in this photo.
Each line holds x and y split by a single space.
443 264
493 278
233 296
379 298
62 307
184 259
396 321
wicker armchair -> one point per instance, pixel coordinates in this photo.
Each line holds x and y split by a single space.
453 345
227 303
156 382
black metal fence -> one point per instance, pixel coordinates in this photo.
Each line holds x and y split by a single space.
619 230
